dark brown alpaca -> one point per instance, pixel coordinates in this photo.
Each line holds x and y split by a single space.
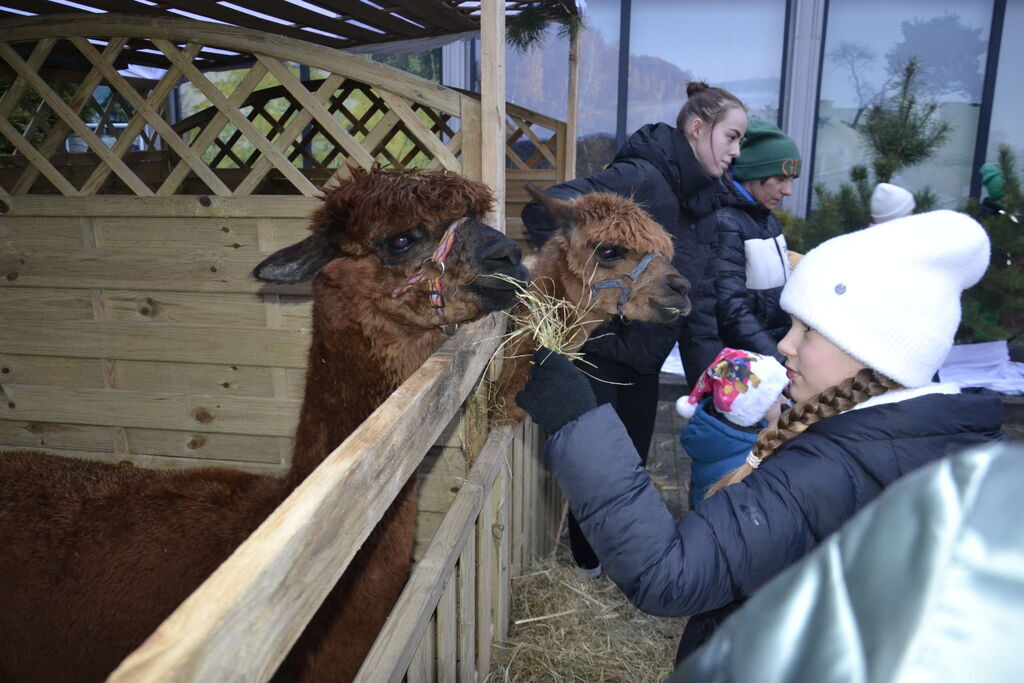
94 556
602 239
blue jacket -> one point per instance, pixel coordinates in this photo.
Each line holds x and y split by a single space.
715 448
735 541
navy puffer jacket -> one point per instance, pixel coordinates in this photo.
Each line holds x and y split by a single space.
753 266
736 540
657 169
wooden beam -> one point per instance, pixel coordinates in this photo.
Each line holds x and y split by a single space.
270 206
492 103
151 410
158 342
572 112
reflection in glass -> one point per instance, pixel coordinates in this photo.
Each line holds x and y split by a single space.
736 45
537 79
866 44
1006 128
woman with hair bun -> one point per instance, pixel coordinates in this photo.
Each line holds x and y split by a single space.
675 173
874 313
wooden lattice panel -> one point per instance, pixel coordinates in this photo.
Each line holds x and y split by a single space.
260 129
130 219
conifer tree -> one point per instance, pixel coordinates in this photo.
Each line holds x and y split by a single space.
903 130
898 131
994 308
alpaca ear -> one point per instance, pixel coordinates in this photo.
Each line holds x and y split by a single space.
297 263
560 211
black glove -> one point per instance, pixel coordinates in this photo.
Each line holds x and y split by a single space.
557 392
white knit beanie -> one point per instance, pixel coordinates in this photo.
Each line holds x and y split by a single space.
889 202
889 295
743 384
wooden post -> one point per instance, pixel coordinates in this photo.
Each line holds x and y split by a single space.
492 104
572 107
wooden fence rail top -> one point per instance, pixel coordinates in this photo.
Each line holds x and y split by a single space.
240 624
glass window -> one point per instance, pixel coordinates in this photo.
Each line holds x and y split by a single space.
539 79
599 86
734 44
1006 127
866 43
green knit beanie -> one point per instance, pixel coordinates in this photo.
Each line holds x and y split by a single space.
993 180
766 152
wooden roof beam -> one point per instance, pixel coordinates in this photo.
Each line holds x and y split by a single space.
437 14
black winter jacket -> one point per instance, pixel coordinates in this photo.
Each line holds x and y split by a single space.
657 169
736 540
752 267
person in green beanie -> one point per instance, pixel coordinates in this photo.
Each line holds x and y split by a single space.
993 180
751 255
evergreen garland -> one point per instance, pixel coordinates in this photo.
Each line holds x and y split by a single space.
526 28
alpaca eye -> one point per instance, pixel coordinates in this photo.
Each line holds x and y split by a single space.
400 243
609 253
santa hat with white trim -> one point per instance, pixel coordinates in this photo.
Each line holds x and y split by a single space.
743 385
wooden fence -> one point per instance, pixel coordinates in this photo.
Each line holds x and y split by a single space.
131 211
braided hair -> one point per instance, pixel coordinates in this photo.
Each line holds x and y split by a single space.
866 384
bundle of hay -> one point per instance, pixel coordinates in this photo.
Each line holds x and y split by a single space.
542 319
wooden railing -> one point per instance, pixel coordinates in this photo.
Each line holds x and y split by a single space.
242 621
107 296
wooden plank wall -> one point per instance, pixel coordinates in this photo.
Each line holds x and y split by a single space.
133 332
516 197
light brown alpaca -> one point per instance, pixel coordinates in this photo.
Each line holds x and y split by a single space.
606 245
94 556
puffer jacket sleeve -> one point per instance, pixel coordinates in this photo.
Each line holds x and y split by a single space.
729 545
736 320
642 346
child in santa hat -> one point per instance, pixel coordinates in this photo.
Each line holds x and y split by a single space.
745 395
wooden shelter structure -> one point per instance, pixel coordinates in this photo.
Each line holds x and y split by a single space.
132 332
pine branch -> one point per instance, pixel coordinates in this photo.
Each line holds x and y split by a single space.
527 28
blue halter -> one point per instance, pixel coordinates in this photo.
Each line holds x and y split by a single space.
620 283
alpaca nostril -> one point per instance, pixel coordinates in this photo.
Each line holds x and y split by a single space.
678 283
504 255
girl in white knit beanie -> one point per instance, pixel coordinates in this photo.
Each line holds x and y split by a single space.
874 313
